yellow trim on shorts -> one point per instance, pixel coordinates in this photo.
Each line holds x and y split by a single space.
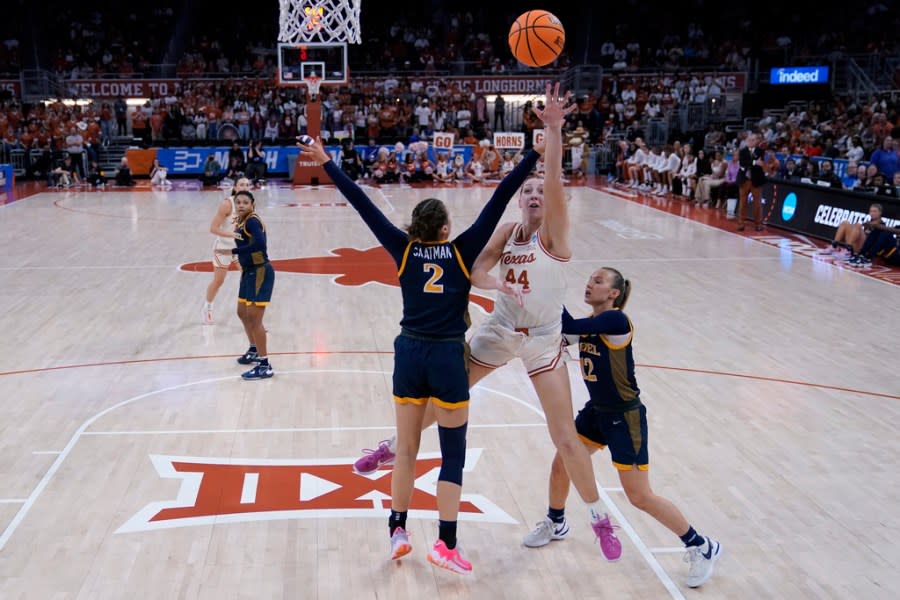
621 467
449 405
408 400
590 443
253 302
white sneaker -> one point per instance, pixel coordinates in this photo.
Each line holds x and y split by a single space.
207 314
400 545
545 532
703 559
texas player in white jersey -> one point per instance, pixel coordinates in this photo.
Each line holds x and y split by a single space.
527 318
222 226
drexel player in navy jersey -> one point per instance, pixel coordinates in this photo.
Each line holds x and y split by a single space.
614 416
257 282
430 354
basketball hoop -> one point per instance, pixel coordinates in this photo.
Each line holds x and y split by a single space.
312 85
319 21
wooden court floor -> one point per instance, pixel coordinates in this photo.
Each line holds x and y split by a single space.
134 462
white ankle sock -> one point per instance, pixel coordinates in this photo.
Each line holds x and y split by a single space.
595 509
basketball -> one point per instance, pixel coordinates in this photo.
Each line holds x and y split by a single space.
536 38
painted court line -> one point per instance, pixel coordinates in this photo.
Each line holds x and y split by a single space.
13 500
46 452
354 352
667 550
617 514
296 429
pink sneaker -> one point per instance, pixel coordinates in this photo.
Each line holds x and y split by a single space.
609 543
400 545
452 560
372 460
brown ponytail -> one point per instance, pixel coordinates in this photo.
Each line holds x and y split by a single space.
428 217
623 285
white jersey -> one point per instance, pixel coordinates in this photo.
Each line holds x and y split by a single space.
229 222
541 274
220 242
507 167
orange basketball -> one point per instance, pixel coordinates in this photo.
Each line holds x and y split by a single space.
536 38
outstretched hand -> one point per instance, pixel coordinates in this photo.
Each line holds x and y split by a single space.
555 108
314 152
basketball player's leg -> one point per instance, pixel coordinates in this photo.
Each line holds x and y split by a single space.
487 345
542 357
553 526
215 285
452 429
627 436
255 294
702 552
553 391
255 329
447 378
477 372
408 416
411 393
212 289
243 313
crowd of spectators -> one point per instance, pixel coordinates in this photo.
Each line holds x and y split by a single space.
393 109
87 39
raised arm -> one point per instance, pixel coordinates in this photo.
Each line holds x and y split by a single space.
472 240
391 237
556 213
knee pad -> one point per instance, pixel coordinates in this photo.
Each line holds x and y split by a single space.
453 453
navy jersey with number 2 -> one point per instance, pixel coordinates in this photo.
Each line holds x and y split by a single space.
430 353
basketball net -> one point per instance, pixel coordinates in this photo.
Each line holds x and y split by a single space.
319 21
312 85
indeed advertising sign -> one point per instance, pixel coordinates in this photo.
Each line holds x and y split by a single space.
794 75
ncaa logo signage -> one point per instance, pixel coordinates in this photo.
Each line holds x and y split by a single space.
789 207
228 490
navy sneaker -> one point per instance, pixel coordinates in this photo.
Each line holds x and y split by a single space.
260 371
249 357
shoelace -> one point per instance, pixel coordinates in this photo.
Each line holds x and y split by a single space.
692 554
544 526
609 528
382 445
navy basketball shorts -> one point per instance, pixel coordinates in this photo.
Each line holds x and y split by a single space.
257 284
427 369
624 433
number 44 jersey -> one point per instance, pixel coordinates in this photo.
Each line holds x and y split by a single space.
528 263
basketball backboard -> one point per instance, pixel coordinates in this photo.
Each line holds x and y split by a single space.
327 60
